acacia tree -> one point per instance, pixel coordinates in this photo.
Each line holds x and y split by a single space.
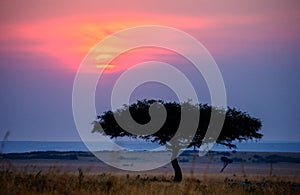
238 125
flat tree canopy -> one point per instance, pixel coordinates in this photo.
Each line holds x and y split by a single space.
238 125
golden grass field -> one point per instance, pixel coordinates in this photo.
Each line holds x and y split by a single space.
30 173
81 183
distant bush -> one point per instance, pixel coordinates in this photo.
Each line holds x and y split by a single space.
274 158
46 155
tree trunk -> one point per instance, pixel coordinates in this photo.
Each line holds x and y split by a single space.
177 169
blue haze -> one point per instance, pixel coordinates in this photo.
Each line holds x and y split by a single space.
29 146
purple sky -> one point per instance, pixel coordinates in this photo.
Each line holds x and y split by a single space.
256 46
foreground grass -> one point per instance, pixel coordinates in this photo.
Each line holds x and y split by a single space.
80 183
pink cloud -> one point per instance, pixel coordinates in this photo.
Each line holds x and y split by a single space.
68 31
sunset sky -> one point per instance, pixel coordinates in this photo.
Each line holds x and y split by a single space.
256 45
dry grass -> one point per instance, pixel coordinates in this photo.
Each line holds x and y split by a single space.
81 183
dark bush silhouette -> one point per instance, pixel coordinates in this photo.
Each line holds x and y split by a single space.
226 161
238 125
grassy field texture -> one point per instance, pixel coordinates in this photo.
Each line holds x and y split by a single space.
81 183
82 173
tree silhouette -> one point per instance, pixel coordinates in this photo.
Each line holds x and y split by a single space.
238 125
226 161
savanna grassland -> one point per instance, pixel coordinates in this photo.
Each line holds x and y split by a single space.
83 173
81 183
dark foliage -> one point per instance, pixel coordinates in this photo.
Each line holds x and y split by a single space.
238 125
